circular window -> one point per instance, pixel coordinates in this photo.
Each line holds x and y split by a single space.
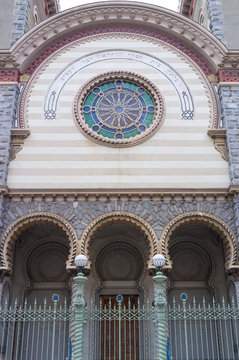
118 109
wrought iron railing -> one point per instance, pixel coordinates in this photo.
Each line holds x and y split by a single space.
120 329
204 331
34 332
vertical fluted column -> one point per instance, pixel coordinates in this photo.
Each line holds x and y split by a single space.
79 318
160 313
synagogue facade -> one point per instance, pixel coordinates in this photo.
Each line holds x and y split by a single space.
119 141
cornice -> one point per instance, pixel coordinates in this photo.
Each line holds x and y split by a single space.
78 18
71 195
17 140
230 60
219 139
234 189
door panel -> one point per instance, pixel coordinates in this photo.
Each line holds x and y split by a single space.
119 335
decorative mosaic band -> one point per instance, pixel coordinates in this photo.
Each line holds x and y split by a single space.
8 75
207 69
228 75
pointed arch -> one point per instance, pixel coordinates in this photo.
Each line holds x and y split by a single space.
215 223
120 217
18 226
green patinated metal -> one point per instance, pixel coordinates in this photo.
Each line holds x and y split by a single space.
160 317
122 330
34 331
79 318
203 330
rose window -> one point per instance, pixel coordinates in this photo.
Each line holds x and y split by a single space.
118 109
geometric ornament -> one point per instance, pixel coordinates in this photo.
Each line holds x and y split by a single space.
118 109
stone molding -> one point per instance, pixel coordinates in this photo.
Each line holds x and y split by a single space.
122 217
219 139
18 226
125 76
78 18
23 112
228 237
17 140
49 195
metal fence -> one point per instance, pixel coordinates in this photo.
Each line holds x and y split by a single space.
34 332
204 331
121 328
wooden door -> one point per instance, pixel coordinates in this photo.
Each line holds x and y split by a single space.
119 335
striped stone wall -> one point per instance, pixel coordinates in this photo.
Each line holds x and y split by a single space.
57 155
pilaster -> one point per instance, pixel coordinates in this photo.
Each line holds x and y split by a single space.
229 99
21 14
8 108
216 18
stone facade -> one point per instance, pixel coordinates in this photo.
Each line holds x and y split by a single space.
229 99
216 19
174 192
157 213
21 13
8 110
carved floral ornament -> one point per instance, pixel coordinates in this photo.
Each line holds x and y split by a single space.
18 226
118 109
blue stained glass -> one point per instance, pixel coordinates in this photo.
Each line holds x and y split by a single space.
142 127
95 128
86 108
96 90
151 108
118 107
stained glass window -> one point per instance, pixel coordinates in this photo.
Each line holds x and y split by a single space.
118 109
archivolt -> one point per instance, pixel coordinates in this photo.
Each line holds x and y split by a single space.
120 217
26 221
228 237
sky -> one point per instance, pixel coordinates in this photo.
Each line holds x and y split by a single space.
170 4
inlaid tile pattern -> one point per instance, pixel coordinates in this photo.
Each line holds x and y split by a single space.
58 155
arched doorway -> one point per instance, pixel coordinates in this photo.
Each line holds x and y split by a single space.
197 256
198 293
119 251
39 270
35 321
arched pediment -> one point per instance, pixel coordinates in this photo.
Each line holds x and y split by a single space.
135 14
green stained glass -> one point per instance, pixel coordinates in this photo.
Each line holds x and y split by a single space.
118 109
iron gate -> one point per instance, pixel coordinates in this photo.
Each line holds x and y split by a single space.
204 331
122 329
30 332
